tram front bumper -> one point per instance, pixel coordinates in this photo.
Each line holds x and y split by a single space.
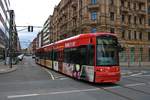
107 78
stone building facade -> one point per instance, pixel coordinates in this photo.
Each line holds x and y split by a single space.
129 19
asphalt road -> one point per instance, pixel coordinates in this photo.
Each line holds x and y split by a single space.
32 82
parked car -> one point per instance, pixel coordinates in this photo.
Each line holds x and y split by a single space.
33 56
20 57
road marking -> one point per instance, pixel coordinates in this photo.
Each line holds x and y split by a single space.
136 74
63 78
72 91
19 96
143 75
52 93
114 87
52 76
136 84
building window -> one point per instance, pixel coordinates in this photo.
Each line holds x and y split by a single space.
122 3
112 2
140 6
149 22
93 30
149 54
129 5
123 18
112 16
93 15
140 36
149 36
135 18
134 6
122 55
93 1
129 19
132 55
123 33
140 20
140 54
135 35
148 10
112 30
129 35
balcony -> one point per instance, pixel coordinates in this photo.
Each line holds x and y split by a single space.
90 22
141 26
93 6
125 24
112 8
124 9
74 3
142 1
142 12
74 14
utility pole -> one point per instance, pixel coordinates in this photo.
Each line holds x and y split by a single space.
11 14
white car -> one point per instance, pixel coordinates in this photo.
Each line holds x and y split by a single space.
20 57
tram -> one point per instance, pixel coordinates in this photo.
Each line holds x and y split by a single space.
90 57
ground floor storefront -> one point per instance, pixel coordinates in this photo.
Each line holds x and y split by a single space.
2 53
135 55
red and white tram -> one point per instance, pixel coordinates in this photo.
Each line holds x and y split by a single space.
90 57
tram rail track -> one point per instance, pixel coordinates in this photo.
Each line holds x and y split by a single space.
109 90
126 86
133 80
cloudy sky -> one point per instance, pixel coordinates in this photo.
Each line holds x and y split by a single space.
31 12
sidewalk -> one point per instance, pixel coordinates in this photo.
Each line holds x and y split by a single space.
135 67
134 70
6 68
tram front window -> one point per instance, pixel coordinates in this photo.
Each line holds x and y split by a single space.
107 53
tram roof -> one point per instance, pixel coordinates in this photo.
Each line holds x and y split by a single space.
79 36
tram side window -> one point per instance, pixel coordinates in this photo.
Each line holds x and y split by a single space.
83 55
60 55
43 55
50 55
75 56
55 55
72 55
90 55
40 55
47 56
87 55
67 55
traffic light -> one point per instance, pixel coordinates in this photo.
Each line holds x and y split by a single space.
30 28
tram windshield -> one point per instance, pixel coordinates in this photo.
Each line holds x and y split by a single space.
107 51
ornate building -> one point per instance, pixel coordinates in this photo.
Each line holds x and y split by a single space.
129 19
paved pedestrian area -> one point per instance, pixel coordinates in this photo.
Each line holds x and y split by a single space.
6 68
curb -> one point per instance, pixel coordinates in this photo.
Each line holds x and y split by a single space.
3 71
